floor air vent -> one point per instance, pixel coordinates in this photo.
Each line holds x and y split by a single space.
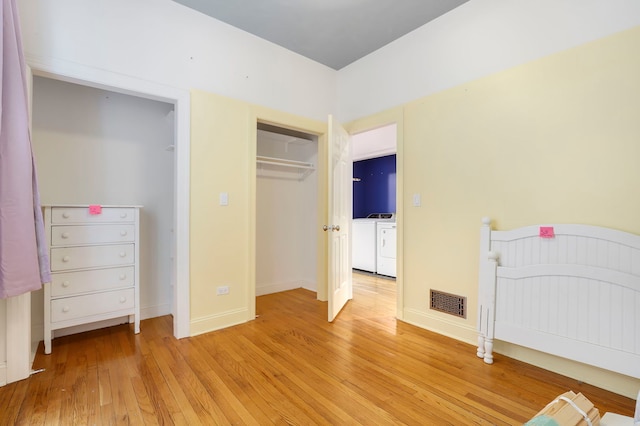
449 303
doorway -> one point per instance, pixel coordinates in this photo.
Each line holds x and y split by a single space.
374 243
392 119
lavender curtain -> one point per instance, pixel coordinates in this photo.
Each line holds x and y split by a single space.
24 263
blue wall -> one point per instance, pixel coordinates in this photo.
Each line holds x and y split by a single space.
376 191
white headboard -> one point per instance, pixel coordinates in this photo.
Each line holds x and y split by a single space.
568 290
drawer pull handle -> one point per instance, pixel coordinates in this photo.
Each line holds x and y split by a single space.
65 215
123 215
123 277
123 254
123 233
66 259
65 309
65 284
123 299
65 235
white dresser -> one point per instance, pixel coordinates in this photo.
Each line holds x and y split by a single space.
95 271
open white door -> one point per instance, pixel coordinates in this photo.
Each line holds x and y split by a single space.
338 226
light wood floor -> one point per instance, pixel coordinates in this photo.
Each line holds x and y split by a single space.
289 366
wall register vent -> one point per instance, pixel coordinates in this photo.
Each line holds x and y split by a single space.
449 303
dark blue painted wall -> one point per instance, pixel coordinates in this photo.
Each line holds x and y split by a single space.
376 191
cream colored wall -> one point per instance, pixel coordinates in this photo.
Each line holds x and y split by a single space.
554 140
219 235
223 149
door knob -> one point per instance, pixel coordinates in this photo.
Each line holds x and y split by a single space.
325 227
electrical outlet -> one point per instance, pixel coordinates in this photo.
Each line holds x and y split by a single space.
223 289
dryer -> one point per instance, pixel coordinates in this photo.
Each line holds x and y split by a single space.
363 240
386 248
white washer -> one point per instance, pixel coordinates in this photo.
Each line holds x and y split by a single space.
386 248
363 240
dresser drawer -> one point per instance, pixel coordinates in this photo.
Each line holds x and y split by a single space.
82 215
92 234
70 283
67 258
70 308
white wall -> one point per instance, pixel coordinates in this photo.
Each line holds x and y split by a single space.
478 38
98 147
374 143
286 218
165 42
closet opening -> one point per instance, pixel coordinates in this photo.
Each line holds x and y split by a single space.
97 146
286 210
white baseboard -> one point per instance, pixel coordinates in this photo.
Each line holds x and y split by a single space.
262 289
155 311
3 373
37 330
311 286
90 326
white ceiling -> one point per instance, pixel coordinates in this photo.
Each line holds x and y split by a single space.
332 32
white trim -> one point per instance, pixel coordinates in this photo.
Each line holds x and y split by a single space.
18 337
155 311
262 289
108 80
3 373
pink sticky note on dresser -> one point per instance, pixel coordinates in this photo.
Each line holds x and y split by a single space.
547 232
95 209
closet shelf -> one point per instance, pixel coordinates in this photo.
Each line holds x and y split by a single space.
302 167
284 162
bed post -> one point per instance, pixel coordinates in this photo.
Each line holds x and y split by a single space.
485 295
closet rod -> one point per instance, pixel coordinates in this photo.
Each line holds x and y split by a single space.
284 162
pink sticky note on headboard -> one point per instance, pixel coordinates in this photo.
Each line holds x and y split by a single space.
547 232
95 209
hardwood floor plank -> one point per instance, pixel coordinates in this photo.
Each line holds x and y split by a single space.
289 366
160 396
194 408
17 394
105 398
34 408
239 407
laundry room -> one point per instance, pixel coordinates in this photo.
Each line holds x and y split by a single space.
374 201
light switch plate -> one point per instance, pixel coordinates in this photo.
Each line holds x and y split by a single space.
416 200
224 198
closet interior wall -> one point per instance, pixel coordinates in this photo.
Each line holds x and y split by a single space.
286 213
94 146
